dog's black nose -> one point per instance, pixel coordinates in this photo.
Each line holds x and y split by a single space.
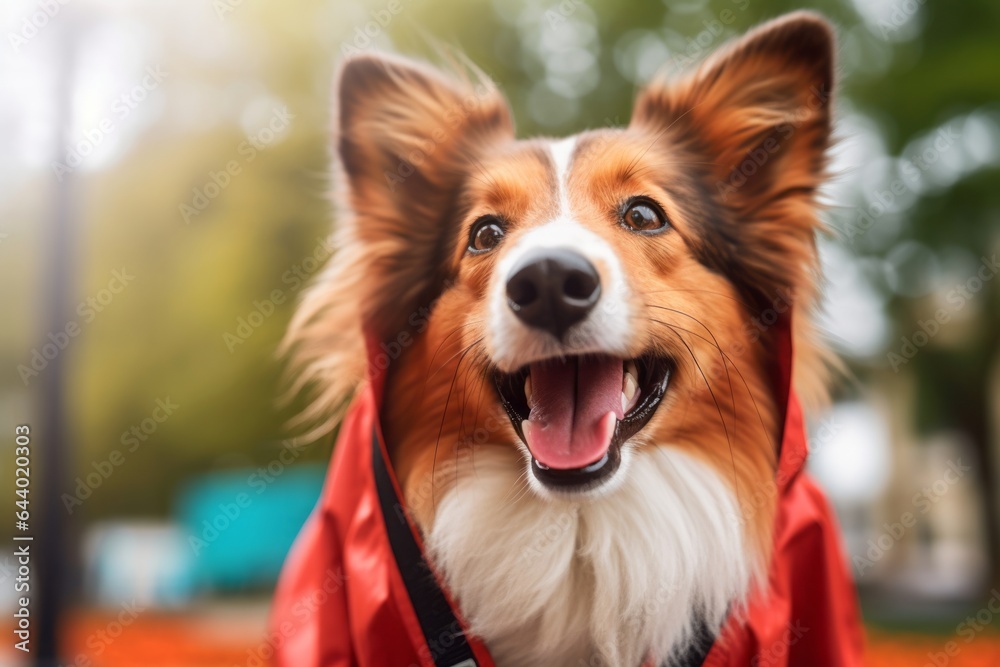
552 289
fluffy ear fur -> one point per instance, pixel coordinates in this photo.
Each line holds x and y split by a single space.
758 111
758 114
405 137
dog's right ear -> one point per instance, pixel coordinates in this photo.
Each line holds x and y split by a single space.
406 137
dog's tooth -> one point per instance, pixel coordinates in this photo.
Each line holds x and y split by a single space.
630 376
630 387
527 389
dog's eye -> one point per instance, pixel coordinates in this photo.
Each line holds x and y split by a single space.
642 216
486 234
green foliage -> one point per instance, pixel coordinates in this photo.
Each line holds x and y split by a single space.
164 335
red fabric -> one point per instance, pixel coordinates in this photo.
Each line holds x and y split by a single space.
808 613
341 601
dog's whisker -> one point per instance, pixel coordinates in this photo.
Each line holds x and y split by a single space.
753 399
517 487
444 415
444 340
718 407
525 487
715 341
746 385
464 439
701 291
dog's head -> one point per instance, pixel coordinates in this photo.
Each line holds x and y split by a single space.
582 298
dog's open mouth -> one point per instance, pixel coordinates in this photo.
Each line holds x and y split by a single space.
574 412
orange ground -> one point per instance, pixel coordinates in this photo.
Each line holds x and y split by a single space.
232 638
898 650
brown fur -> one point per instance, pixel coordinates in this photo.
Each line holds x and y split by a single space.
402 273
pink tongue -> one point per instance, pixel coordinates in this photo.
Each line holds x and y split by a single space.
574 408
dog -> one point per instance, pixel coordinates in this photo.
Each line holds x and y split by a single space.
580 337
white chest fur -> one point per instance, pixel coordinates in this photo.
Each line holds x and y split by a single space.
602 581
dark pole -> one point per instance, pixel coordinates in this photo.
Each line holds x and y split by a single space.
53 451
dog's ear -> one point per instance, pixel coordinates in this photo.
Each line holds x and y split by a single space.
758 113
406 137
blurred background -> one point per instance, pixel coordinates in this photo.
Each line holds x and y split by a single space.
163 200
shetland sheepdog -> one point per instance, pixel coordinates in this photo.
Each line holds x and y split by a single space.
580 388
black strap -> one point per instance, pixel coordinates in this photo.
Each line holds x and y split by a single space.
697 651
442 630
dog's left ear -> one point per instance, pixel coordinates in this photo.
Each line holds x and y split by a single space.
758 113
774 83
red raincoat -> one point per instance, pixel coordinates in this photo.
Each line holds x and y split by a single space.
356 591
